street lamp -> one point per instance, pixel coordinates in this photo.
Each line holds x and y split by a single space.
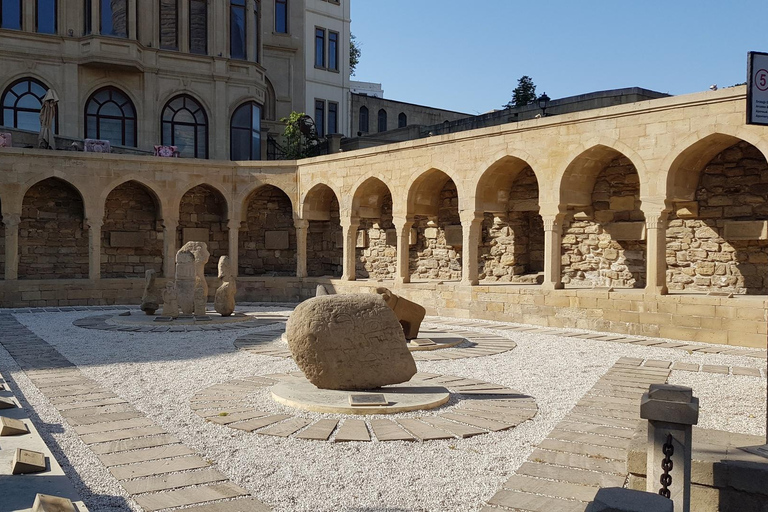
543 102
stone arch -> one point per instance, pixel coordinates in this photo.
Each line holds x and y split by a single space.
376 247
160 208
603 241
433 204
132 233
718 194
53 237
244 197
270 99
203 215
325 238
512 241
267 244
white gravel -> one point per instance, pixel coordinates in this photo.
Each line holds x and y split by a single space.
158 374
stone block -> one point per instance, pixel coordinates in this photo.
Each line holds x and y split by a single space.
687 209
621 231
525 205
195 235
126 239
617 499
746 230
45 503
622 203
362 239
7 403
430 233
391 237
276 240
453 235
12 427
413 237
27 461
583 213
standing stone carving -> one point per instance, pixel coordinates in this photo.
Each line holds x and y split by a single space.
170 303
150 299
201 296
190 265
224 302
321 290
409 314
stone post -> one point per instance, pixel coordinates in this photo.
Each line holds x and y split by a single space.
170 226
671 412
234 236
349 227
264 143
471 230
656 266
334 143
403 227
301 226
11 222
553 232
94 248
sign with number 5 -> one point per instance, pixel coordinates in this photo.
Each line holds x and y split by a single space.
757 88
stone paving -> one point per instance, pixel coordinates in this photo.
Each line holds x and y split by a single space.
154 467
102 323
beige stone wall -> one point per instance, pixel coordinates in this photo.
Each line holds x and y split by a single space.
377 251
325 245
432 256
268 240
204 208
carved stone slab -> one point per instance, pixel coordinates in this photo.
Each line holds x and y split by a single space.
46 503
195 235
357 399
453 236
12 427
7 403
276 240
27 461
746 230
126 239
621 231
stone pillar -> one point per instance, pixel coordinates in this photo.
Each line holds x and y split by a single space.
94 248
183 27
403 227
334 143
671 412
132 22
301 226
471 230
234 243
264 143
170 227
349 228
656 257
11 222
553 232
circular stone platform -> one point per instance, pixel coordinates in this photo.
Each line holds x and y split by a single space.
475 408
415 395
138 321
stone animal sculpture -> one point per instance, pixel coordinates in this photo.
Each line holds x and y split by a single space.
224 302
409 314
150 298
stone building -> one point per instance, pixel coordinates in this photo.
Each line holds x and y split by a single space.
208 77
372 115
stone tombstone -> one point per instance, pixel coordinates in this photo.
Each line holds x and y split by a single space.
409 314
170 301
453 235
224 302
321 290
150 300
200 297
349 342
190 273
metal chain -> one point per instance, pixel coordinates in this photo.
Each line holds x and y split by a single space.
666 464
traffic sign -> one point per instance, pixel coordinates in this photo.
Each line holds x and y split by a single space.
757 88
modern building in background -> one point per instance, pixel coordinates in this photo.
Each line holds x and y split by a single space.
208 77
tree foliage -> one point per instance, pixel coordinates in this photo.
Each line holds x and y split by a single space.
354 54
297 144
524 94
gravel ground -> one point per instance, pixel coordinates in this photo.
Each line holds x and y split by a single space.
158 374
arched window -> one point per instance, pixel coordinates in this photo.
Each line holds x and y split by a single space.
363 119
185 125
110 115
21 104
402 120
245 132
382 120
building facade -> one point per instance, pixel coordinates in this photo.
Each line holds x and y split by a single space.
372 115
208 77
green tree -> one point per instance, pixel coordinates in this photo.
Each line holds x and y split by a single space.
524 94
354 54
300 136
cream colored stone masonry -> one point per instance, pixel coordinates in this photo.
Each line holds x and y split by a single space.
674 157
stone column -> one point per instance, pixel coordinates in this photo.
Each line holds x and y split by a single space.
656 254
264 143
671 412
11 222
94 248
301 226
349 227
132 22
183 27
471 230
234 244
170 228
553 232
403 227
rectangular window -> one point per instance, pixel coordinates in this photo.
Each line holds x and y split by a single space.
87 16
45 16
319 48
320 117
169 24
10 14
114 18
198 26
333 51
333 117
281 16
237 39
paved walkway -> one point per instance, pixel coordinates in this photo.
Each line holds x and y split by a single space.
154 467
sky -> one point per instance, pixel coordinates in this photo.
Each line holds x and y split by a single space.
442 54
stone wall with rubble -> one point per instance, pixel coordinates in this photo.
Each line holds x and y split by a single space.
592 252
203 208
53 240
437 251
131 237
267 244
376 247
512 244
325 245
701 256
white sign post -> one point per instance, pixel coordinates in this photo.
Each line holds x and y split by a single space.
757 88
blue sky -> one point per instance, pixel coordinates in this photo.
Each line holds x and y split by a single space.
438 53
